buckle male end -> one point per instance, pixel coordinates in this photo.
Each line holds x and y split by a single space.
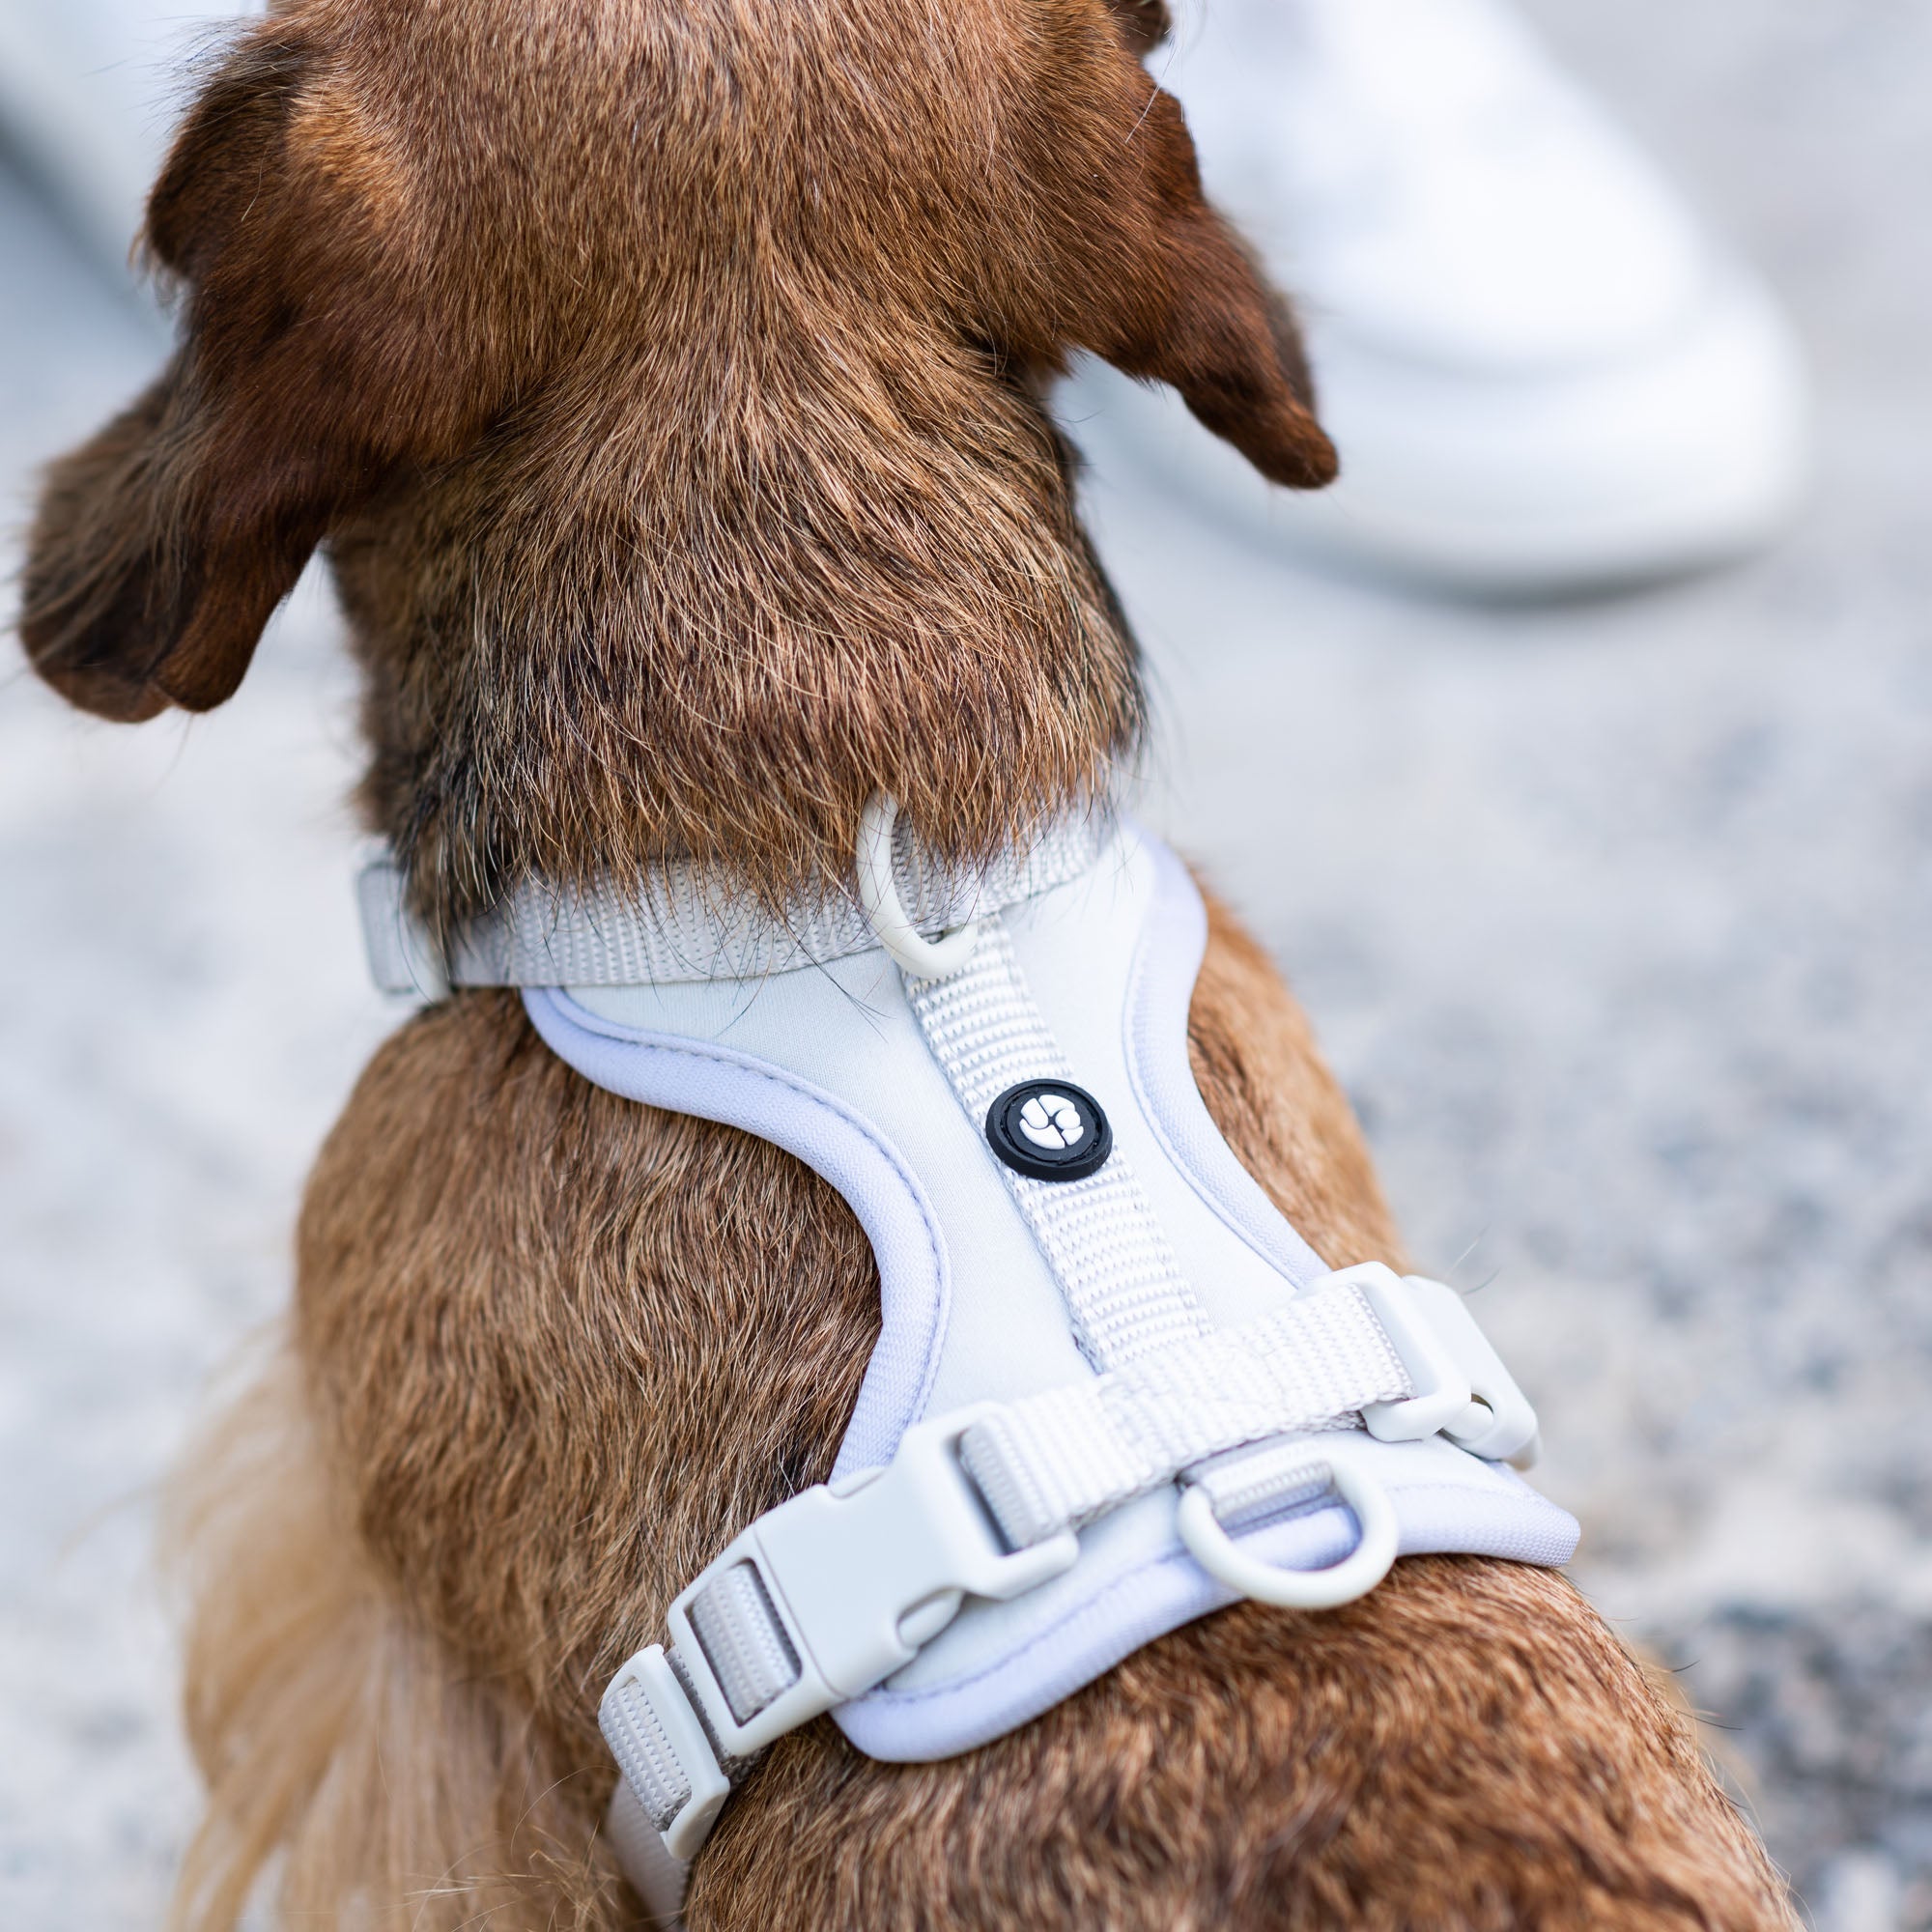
860 1576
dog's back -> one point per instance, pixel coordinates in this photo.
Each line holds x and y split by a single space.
664 381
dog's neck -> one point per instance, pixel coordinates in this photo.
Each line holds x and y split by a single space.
619 636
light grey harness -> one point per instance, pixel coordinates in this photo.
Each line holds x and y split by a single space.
1114 1389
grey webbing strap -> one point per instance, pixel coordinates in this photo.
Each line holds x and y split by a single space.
1058 1459
680 925
658 1878
643 1746
744 1642
1125 1290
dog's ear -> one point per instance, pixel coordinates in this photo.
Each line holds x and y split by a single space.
314 359
1144 24
1155 281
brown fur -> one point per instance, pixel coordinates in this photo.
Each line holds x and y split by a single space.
663 376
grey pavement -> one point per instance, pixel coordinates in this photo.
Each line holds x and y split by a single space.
1616 920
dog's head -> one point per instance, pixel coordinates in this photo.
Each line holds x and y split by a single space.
394 225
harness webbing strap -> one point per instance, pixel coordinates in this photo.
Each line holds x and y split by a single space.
1123 1285
744 1642
1058 1459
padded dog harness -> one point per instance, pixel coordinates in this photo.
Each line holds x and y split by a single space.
1114 1389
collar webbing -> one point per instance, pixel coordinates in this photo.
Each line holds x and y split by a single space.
681 925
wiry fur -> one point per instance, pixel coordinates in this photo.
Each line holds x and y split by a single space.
662 376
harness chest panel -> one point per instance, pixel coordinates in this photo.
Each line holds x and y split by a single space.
998 1284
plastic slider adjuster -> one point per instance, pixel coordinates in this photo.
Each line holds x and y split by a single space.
861 1574
671 1729
1461 1388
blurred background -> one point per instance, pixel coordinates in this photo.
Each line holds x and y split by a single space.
1613 909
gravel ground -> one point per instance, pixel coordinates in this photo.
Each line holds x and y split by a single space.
1614 918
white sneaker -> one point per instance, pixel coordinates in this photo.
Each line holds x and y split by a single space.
1540 375
89 94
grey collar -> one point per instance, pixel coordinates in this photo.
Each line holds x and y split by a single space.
679 923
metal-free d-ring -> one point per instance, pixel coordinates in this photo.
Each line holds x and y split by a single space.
1355 1575
916 957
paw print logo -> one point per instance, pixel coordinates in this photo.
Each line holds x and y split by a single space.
1053 1121
1049 1130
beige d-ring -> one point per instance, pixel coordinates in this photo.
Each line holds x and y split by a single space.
916 957
1355 1575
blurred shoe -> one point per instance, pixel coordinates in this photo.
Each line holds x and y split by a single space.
1541 376
89 94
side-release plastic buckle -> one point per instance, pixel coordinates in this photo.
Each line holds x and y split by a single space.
1461 1388
862 1575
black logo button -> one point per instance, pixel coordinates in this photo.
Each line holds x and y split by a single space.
1050 1129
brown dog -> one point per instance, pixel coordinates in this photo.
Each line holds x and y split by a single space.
663 378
